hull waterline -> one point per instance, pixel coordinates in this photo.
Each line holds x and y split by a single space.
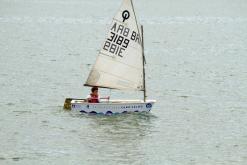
110 107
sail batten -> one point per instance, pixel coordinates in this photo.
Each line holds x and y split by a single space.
119 63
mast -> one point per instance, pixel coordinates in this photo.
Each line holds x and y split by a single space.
143 56
143 63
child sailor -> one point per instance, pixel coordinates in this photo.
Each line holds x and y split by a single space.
94 96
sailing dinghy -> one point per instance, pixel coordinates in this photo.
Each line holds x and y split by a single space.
120 65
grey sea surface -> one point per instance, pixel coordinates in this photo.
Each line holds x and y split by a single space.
196 54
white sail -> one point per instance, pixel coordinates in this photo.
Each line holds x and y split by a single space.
119 64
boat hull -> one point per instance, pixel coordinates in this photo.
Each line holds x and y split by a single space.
112 107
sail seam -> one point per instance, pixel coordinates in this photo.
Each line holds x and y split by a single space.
120 62
117 76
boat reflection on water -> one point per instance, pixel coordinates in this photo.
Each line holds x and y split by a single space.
120 138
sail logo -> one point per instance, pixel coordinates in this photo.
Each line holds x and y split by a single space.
125 15
149 105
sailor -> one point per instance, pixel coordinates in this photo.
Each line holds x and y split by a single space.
94 96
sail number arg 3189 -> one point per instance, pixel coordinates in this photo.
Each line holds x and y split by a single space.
119 39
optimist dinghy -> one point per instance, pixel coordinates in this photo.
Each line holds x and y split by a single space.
120 65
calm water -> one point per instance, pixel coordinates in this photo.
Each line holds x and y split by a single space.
197 71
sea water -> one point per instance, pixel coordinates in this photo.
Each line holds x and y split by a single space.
196 53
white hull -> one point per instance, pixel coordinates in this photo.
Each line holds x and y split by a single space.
112 106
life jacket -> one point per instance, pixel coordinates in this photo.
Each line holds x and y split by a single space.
94 98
